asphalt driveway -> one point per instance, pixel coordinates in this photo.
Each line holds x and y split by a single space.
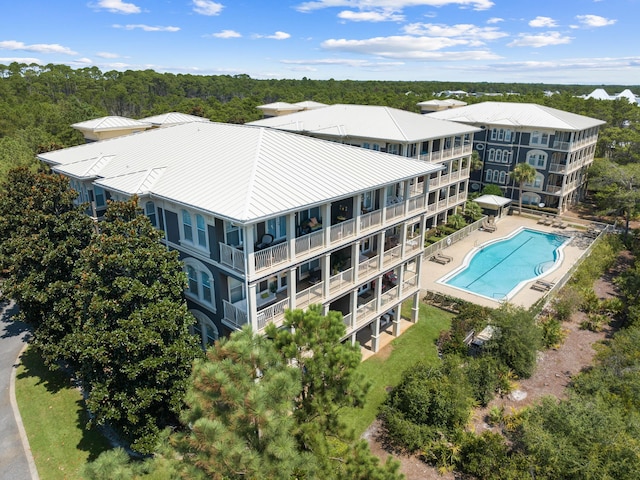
15 462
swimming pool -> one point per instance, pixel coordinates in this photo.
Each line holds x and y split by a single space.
499 268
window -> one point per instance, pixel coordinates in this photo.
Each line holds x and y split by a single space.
233 234
494 134
150 212
366 145
507 135
498 156
202 231
501 134
537 182
496 176
487 175
236 290
367 200
204 328
199 282
537 159
99 196
393 148
506 157
503 177
492 155
186 226
277 227
539 138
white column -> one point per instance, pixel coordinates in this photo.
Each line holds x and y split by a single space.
252 308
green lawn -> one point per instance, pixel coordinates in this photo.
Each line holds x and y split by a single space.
382 371
54 418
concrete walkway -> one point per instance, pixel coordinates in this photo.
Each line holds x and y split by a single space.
16 461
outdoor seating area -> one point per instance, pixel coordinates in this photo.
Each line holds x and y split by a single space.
545 220
441 258
489 225
542 286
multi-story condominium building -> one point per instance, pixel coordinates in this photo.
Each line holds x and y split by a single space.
401 133
266 220
558 144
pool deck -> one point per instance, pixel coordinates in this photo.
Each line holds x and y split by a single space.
526 296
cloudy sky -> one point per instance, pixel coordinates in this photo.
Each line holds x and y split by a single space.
548 41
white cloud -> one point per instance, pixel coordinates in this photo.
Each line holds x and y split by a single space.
371 16
84 60
107 55
543 22
147 28
342 61
207 7
396 5
226 34
594 20
409 47
36 47
27 60
468 32
540 40
493 20
117 6
275 36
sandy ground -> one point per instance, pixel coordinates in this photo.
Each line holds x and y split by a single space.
554 371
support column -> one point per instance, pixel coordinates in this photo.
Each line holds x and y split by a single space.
415 309
252 307
325 265
292 287
355 260
375 335
291 235
249 255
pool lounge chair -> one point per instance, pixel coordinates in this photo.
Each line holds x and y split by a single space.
542 285
439 259
559 224
445 257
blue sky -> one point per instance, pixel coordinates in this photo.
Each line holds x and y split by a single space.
527 41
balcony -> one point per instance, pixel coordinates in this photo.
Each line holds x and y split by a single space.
235 314
370 221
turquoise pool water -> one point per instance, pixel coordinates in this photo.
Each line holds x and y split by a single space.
497 269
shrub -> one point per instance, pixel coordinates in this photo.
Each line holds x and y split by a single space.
565 304
595 322
484 376
552 332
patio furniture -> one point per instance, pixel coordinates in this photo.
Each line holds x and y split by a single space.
446 257
439 259
559 224
265 241
489 227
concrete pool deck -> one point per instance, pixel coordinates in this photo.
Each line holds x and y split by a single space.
526 296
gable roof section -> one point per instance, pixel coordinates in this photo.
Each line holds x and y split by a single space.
112 122
517 115
172 118
238 172
366 121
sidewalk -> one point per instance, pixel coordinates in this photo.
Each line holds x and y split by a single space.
16 462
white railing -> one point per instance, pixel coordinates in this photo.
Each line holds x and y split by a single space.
370 220
414 243
342 230
390 295
310 242
368 266
410 282
395 210
364 312
557 168
392 255
231 257
234 315
310 295
416 203
272 314
343 278
347 319
271 256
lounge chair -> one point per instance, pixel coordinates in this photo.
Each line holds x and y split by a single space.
445 257
439 259
542 285
538 287
542 219
489 227
557 223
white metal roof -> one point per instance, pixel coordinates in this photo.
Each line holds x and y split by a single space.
518 115
448 102
172 118
238 172
310 104
112 122
366 122
280 107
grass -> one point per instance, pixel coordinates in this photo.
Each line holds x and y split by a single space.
54 418
383 371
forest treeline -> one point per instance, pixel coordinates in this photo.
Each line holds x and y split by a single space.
39 103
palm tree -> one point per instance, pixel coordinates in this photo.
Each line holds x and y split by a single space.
522 173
